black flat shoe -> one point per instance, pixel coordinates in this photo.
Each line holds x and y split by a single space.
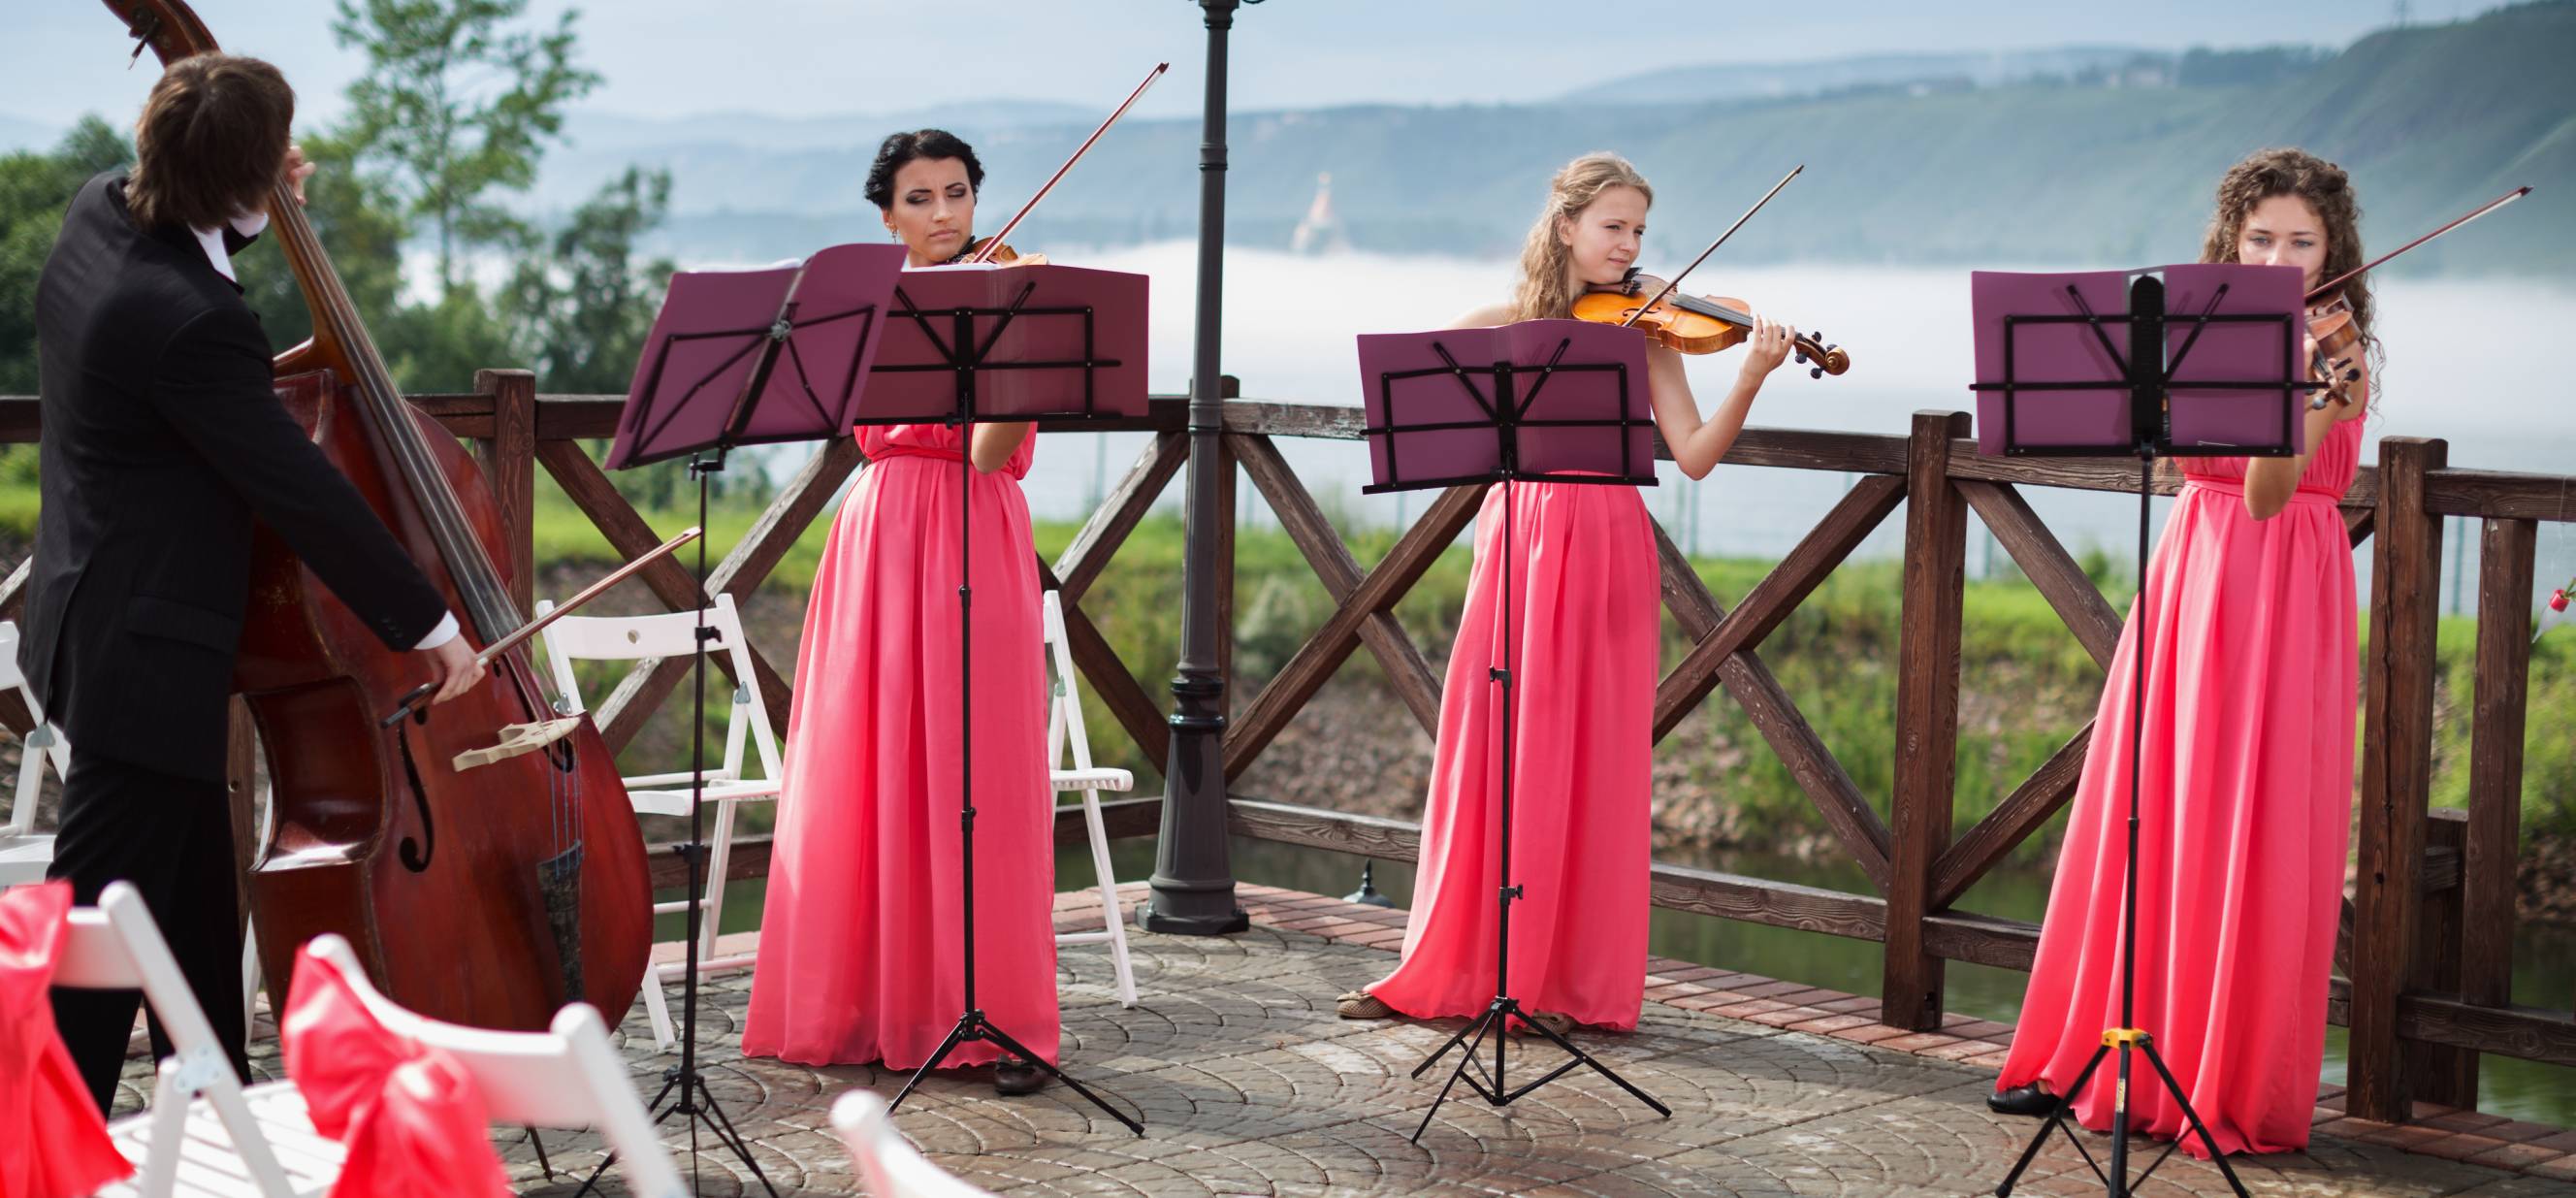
2022 1100
1013 1077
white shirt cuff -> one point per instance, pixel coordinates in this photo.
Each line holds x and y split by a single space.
445 632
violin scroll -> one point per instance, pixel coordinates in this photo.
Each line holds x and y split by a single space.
1819 357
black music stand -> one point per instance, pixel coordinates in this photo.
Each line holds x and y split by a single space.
742 358
1446 409
2063 372
979 343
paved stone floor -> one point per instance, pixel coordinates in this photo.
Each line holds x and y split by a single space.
1249 1085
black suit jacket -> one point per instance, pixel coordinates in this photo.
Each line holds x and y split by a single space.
163 439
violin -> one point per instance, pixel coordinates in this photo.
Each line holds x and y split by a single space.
484 861
2331 326
991 250
1701 324
1696 324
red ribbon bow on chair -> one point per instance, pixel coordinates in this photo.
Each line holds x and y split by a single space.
52 1142
411 1116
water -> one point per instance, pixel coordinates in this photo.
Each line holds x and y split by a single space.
2544 956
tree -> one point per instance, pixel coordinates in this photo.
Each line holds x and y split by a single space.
34 190
360 224
456 106
581 310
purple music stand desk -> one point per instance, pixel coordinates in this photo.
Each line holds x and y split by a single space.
1538 401
2186 360
751 357
742 357
974 343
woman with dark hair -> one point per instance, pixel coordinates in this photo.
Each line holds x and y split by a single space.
859 957
2245 790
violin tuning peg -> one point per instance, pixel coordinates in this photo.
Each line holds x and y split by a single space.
1816 372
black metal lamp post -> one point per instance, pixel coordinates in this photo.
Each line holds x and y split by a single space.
1193 885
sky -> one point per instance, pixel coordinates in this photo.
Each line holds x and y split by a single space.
667 58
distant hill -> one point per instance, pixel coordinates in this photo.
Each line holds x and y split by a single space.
606 133
1739 81
2071 159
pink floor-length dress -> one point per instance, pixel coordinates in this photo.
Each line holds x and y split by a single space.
2245 806
1585 601
859 956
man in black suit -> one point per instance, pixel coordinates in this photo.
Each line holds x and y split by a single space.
163 440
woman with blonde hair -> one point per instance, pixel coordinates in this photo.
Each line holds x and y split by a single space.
1586 589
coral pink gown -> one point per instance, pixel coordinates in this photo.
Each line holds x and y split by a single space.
2243 821
1584 596
859 956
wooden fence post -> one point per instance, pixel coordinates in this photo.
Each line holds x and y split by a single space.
2440 1073
2491 859
509 462
1927 715
2396 770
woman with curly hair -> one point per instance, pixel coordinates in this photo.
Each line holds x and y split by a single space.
2245 795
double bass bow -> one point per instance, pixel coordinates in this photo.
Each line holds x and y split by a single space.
483 858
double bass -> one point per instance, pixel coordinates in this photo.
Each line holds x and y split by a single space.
480 856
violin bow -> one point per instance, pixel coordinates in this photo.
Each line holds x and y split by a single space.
1676 280
2348 276
994 243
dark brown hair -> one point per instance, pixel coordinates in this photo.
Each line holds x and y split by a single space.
210 142
901 148
2324 186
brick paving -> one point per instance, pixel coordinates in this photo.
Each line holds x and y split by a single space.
1249 1085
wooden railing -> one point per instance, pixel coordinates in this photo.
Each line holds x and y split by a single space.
2430 930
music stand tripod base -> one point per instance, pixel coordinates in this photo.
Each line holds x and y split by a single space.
937 349
1461 425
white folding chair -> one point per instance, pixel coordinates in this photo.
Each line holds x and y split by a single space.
258 1140
567 1076
892 1167
1065 732
23 853
632 638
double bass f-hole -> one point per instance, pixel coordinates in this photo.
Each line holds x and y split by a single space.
415 854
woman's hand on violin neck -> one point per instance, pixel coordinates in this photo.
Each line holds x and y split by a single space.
1767 348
